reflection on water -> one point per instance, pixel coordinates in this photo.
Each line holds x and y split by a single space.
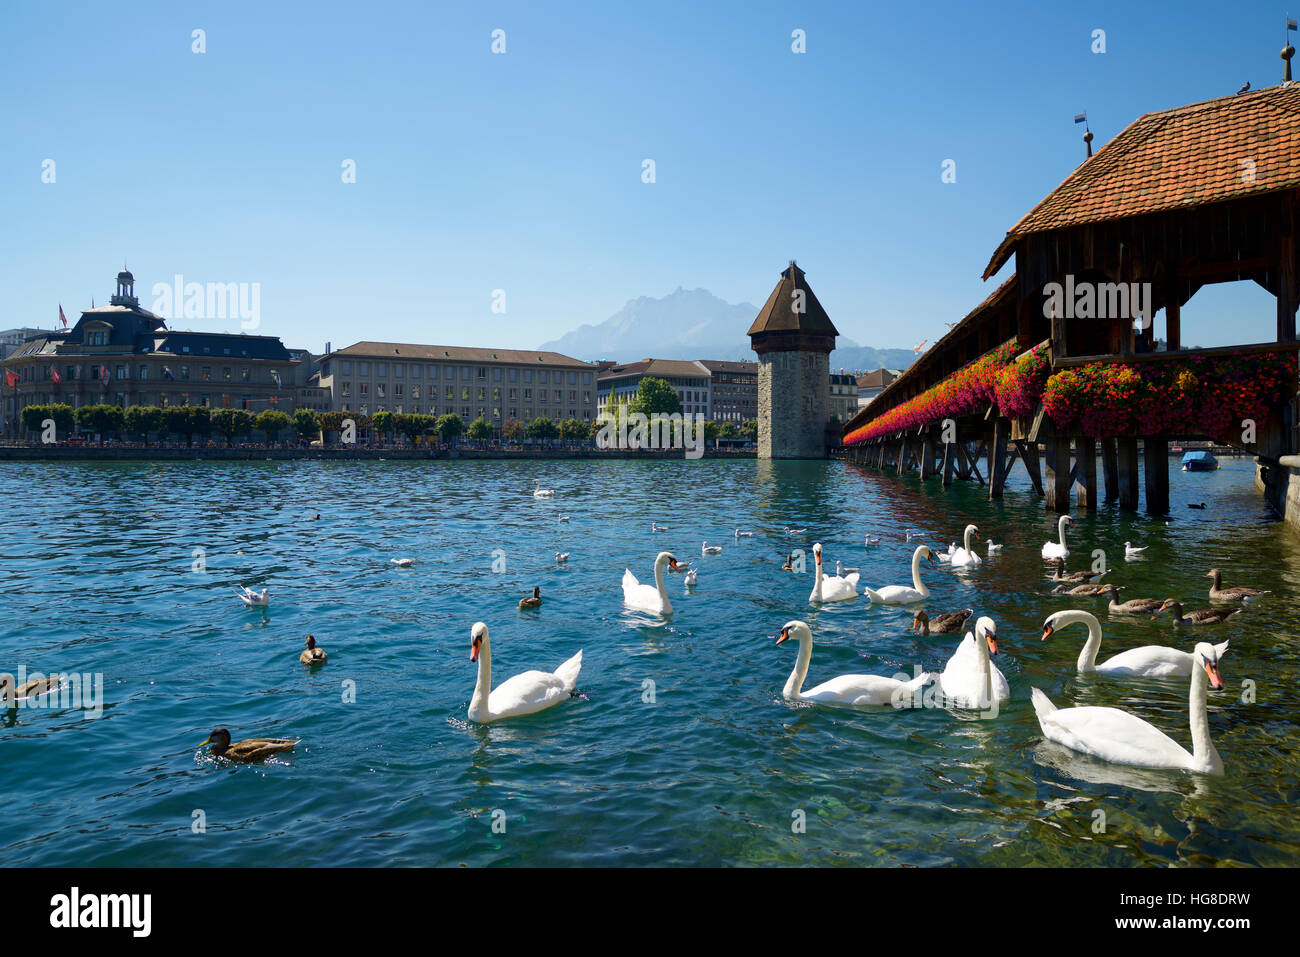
710 768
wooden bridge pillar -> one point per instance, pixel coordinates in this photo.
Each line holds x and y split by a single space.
1155 454
1085 457
927 455
1059 478
902 457
1127 462
949 462
997 459
1110 467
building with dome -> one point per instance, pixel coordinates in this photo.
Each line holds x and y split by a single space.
123 354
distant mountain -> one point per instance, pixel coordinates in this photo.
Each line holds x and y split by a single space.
695 324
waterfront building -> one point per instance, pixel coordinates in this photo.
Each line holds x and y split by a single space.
497 384
843 397
691 379
872 384
733 391
11 339
794 338
123 354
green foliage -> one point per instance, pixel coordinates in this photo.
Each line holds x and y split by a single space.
749 430
271 422
573 429
187 420
450 425
382 422
305 423
711 431
654 396
512 429
728 430
231 422
479 429
331 421
105 419
142 419
541 428
63 415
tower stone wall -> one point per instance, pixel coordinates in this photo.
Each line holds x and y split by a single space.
793 404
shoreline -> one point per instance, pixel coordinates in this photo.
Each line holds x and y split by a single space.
249 454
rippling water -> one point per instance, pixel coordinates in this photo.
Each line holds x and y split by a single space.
96 572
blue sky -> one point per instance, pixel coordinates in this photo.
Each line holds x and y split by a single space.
522 171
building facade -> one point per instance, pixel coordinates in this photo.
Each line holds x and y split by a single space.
843 397
122 354
872 384
11 339
691 380
497 384
794 338
734 391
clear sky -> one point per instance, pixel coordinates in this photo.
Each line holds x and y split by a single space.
522 171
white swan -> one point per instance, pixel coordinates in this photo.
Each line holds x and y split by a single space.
525 693
852 690
1149 661
539 492
650 597
253 599
946 557
1131 553
970 679
707 549
1124 738
966 555
831 587
1058 549
901 594
402 562
994 549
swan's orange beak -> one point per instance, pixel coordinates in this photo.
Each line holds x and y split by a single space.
993 644
1047 631
673 566
1216 682
785 633
473 652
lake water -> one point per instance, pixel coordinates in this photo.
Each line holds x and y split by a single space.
96 576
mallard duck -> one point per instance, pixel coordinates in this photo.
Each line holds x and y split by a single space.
28 689
1201 616
940 624
1134 606
532 601
789 564
1059 574
1239 593
250 749
313 655
1085 590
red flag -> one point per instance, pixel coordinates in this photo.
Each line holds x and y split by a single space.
54 375
62 318
11 378
103 374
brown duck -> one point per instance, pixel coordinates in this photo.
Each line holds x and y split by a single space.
532 601
940 624
1088 590
9 696
250 749
1239 593
1134 606
312 655
1201 616
1059 574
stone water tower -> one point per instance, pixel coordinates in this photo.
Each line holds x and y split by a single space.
794 338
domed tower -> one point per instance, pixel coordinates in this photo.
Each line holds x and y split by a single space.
125 295
794 338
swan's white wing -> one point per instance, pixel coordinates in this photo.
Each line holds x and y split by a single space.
526 693
630 584
568 672
1114 735
855 690
897 595
1150 661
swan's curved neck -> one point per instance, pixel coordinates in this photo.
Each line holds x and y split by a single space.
1204 753
916 574
794 684
970 533
817 577
1088 656
1060 527
482 687
659 585
985 666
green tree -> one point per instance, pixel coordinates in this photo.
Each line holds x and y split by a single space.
142 419
271 422
573 430
104 419
306 424
728 430
450 425
749 430
187 420
383 423
512 429
479 430
229 423
541 428
655 396
33 415
711 432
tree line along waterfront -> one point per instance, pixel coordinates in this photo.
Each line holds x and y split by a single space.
61 423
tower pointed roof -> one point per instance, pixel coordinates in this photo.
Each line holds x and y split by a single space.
787 311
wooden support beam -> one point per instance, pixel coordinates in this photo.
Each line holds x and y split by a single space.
949 462
1059 478
997 457
1085 470
1155 454
1029 455
902 457
927 455
1287 291
1127 461
973 461
1110 466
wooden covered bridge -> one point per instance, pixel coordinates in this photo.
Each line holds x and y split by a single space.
1062 357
